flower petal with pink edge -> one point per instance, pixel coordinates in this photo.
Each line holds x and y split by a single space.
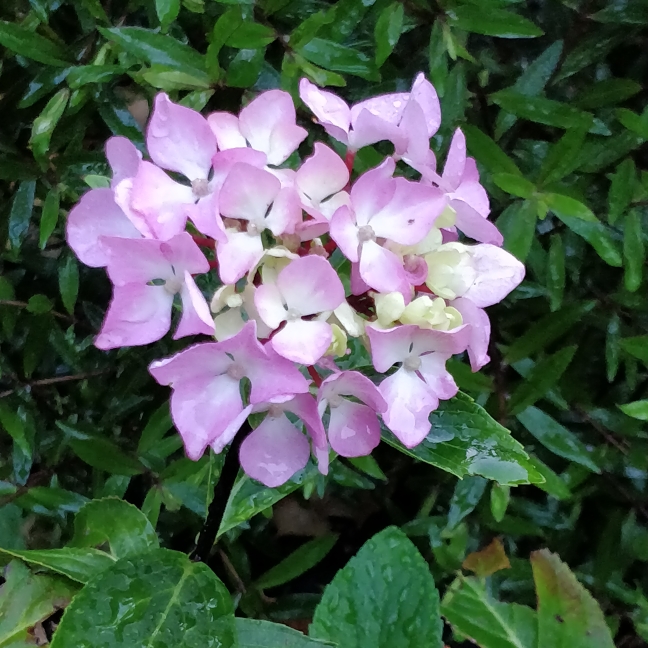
203 408
204 215
285 213
474 194
124 159
247 193
344 232
135 260
180 139
94 216
414 126
274 452
474 225
424 94
389 107
305 407
270 305
410 402
225 127
138 314
309 285
226 436
238 255
332 112
381 269
372 191
391 346
268 124
456 160
498 273
303 342
184 254
447 342
353 430
369 128
480 328
322 175
436 376
353 383
196 317
358 286
204 360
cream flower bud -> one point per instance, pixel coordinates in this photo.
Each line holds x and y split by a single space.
450 270
447 218
338 345
431 314
389 307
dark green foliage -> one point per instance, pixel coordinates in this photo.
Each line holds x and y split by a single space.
552 98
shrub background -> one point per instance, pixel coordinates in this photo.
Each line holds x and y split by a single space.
552 98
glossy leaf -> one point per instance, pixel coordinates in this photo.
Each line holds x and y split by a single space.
45 123
338 58
122 525
21 212
467 494
608 92
103 454
621 189
477 445
488 153
517 223
388 573
49 217
556 272
167 11
514 184
27 43
500 497
494 22
389 27
568 615
637 409
634 251
563 157
556 438
636 346
69 283
168 601
255 633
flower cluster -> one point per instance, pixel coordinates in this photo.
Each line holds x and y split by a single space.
222 194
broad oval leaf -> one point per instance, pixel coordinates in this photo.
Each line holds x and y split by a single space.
637 409
388 573
155 600
254 633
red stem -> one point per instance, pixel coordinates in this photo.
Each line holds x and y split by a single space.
204 241
317 379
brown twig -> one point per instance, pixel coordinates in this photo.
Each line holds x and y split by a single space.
43 382
22 304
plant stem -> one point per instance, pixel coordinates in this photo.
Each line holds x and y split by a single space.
222 490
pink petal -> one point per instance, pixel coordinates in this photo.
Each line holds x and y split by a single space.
122 196
473 194
480 329
303 342
124 159
268 124
203 361
456 160
410 403
204 215
426 97
269 304
372 191
353 429
410 214
389 107
474 225
274 452
305 407
331 111
223 162
322 175
471 174
369 128
96 215
414 126
184 254
247 193
138 314
498 273
196 317
135 260
416 269
180 139
358 286
238 255
160 200
203 408
225 127
226 436
446 342
344 232
309 285
381 269
437 377
353 383
391 346
285 213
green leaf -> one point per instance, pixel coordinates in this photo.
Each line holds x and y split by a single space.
490 624
167 11
547 330
613 347
122 525
250 35
492 22
154 600
103 454
556 272
499 501
544 375
621 189
514 184
467 494
26 599
487 152
607 93
568 207
517 223
556 438
318 75
388 573
438 58
563 157
636 123
473 444
158 49
156 427
77 564
85 74
634 252
638 409
389 28
49 216
553 484
45 123
595 233
254 633
245 68
636 346
21 213
631 12
169 79
22 41
568 615
298 562
542 111
338 58
39 304
69 282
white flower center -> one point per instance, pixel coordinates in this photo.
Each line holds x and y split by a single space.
412 363
366 233
236 371
292 315
335 401
173 286
200 187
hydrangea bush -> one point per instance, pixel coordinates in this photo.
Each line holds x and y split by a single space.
277 229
